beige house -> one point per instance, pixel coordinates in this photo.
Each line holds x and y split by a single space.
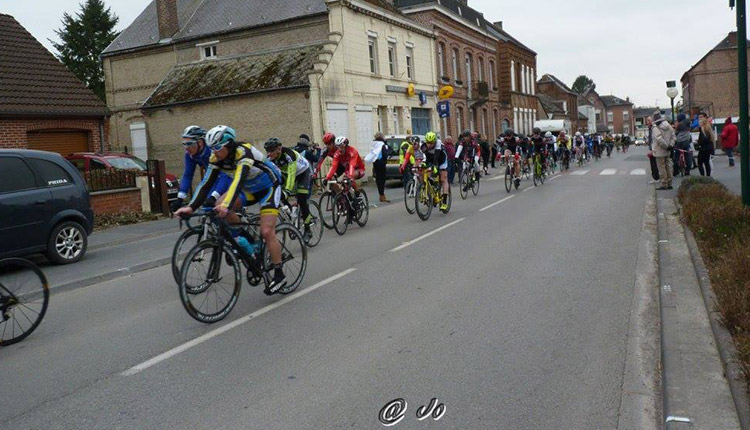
300 66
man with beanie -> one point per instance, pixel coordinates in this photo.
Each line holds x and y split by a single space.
683 141
729 139
650 143
663 142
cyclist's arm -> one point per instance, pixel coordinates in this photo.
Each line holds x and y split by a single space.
291 173
458 151
406 157
353 163
187 176
334 167
240 175
322 158
201 193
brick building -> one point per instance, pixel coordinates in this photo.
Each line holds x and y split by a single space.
711 85
559 92
518 89
619 115
42 104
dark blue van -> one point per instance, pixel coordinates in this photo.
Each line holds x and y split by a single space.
44 206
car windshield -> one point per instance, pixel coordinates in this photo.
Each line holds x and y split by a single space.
394 144
127 163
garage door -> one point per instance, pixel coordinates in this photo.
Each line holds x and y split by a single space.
62 142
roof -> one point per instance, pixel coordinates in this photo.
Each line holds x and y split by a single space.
200 18
582 116
641 112
610 101
551 78
235 76
729 42
34 82
549 105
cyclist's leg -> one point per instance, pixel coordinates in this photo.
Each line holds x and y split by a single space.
303 193
269 212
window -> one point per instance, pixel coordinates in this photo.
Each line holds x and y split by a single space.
96 165
441 59
15 175
52 174
79 163
480 70
484 123
455 65
410 62
512 75
392 58
626 116
460 119
372 44
610 117
492 75
468 72
207 51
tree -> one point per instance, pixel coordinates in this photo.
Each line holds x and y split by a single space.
581 83
83 38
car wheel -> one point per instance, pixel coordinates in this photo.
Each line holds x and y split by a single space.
67 243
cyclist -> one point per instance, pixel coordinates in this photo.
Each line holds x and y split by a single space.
579 145
330 150
411 141
510 142
596 140
610 143
539 146
563 147
549 139
252 175
347 159
197 154
470 149
297 177
434 157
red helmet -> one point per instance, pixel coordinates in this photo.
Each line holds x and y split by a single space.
328 138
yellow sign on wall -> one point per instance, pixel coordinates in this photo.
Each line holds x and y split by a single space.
410 90
446 92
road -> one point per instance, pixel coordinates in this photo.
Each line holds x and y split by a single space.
515 315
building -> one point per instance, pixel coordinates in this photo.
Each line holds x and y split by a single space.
639 116
619 115
518 74
711 85
586 118
42 104
552 109
554 88
318 65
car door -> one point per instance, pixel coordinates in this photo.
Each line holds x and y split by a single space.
23 207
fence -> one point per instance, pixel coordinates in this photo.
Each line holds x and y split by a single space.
109 179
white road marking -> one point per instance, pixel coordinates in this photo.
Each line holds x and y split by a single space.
554 177
608 172
527 189
496 203
579 172
496 178
638 172
424 236
212 334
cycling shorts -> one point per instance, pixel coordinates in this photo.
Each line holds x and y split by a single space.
268 199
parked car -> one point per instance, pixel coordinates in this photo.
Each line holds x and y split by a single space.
639 142
44 206
87 161
392 165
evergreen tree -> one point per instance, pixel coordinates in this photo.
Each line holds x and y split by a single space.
83 38
581 83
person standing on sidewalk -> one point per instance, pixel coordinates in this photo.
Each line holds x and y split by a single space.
706 141
450 150
378 156
729 139
683 141
664 139
651 158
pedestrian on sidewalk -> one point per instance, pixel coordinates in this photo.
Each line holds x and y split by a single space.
706 142
450 150
485 149
729 139
664 140
683 141
378 156
651 158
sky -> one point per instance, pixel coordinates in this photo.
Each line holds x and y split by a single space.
630 48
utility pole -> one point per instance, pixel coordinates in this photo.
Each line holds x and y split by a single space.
742 70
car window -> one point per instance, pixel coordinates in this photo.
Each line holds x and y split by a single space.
394 144
96 165
78 163
52 175
15 175
126 163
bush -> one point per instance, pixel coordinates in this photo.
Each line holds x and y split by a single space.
692 181
105 221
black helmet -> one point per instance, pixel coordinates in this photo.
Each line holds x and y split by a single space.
194 132
537 130
466 133
414 139
271 144
509 132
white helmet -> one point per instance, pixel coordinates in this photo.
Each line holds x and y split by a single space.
548 134
341 141
578 133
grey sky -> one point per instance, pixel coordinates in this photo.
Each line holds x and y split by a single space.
628 47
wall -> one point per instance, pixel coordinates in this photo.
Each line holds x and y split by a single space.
557 93
14 130
116 201
714 81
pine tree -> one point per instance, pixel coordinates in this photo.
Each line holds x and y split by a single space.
582 82
83 38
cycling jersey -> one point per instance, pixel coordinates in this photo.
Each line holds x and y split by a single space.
470 149
579 141
351 160
538 144
432 157
293 166
201 159
510 143
247 167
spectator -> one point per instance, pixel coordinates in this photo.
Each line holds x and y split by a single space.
706 141
485 149
684 139
493 155
378 156
651 158
450 149
729 139
664 139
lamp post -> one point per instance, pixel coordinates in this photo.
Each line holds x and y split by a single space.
672 93
742 78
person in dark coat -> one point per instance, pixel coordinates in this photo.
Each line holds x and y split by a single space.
705 147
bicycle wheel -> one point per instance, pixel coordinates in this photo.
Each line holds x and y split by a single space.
340 214
449 201
205 264
508 179
316 225
187 240
24 296
293 257
410 190
423 201
363 209
326 209
536 178
475 186
526 171
463 184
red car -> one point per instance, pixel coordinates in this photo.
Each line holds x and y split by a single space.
87 161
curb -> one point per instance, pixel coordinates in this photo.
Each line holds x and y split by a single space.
127 240
120 273
724 342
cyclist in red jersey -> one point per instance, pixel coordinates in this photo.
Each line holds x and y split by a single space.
329 151
348 158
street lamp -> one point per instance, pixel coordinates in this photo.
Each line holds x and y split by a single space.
672 93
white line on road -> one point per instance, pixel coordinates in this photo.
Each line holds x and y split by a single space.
527 189
212 334
554 177
638 172
608 172
579 172
496 178
424 236
496 203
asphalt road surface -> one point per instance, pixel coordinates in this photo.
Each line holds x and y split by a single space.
513 313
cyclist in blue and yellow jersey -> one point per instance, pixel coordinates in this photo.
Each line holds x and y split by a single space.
435 156
297 177
253 175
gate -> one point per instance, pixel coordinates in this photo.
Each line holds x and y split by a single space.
157 181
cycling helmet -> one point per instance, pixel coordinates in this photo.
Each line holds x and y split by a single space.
548 134
341 142
271 144
329 138
537 130
578 134
466 133
219 136
430 137
194 132
414 139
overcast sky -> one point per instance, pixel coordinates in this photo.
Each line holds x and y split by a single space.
630 48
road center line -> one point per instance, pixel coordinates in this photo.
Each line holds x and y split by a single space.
424 236
496 203
212 334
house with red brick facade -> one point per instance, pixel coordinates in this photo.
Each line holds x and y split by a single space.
42 104
518 88
619 117
559 92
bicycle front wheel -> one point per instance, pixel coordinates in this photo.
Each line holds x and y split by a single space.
409 193
24 296
341 216
326 209
362 208
508 179
214 267
187 240
316 225
423 201
475 186
463 184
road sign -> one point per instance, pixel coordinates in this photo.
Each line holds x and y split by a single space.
444 109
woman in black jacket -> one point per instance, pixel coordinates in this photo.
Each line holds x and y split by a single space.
705 146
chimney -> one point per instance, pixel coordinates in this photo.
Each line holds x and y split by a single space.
499 24
733 39
166 15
